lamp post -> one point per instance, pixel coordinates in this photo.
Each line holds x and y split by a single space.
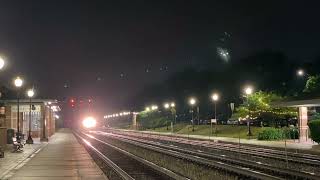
174 112
248 91
30 94
171 106
192 102
215 98
167 106
18 82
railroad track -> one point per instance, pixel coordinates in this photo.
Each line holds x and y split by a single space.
253 165
121 164
298 158
239 171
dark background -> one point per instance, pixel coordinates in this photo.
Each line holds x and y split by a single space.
114 51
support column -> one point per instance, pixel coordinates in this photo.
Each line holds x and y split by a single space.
134 121
303 124
44 134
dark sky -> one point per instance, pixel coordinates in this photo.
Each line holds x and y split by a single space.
104 49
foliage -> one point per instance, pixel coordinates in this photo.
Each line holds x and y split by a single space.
314 127
258 105
148 120
313 84
278 134
315 116
270 134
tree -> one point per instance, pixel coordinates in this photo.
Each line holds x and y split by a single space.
313 84
258 105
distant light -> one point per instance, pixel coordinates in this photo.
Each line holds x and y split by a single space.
215 97
154 107
166 105
2 62
57 117
248 90
89 122
49 103
30 93
172 104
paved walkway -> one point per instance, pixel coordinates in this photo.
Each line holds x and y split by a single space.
12 161
63 158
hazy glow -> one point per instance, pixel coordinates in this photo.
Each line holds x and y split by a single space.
166 105
89 122
30 93
173 105
147 109
1 62
215 97
223 53
18 82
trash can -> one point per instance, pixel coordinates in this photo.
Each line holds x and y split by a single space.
10 135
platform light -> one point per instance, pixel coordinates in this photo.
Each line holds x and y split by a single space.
2 62
18 82
215 97
192 101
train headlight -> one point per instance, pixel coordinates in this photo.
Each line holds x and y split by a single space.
89 122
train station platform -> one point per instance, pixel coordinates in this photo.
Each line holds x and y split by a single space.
62 158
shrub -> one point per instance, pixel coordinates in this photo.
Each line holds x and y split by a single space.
270 134
314 127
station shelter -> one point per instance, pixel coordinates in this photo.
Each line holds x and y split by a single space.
305 109
43 117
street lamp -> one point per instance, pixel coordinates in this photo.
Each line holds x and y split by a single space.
248 91
18 82
173 111
300 72
215 98
147 109
2 62
192 102
30 94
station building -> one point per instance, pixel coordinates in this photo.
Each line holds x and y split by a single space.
43 117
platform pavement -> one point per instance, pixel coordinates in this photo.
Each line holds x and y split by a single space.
63 158
12 160
307 147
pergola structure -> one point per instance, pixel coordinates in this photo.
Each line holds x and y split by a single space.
302 106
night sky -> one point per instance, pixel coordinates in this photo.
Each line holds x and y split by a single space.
112 50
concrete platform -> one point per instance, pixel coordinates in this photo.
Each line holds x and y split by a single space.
63 158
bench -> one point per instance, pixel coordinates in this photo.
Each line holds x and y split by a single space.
18 143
